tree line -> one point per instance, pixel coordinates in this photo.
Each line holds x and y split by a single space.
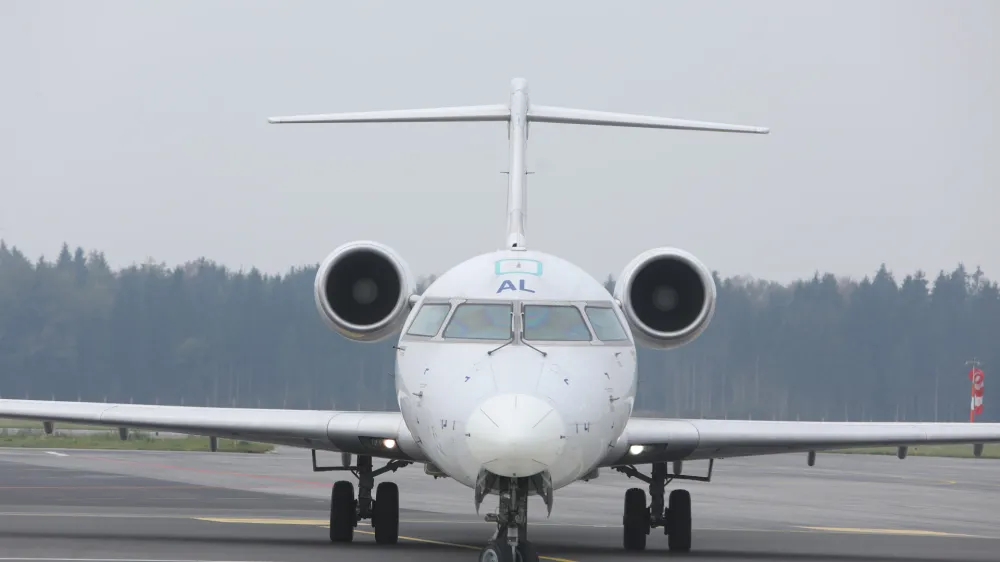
825 348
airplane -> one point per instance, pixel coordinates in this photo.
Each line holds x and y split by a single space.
515 372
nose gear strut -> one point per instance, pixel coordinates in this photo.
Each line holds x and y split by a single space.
510 541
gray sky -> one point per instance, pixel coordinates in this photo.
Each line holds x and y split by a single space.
140 128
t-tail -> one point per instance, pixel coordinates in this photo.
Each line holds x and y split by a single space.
518 112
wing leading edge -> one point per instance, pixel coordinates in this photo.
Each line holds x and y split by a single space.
677 439
349 432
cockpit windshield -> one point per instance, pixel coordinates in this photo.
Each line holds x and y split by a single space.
606 324
429 319
554 323
480 322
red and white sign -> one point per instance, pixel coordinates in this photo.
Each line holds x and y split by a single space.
977 377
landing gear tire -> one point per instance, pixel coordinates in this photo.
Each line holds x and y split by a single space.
496 551
343 512
385 516
678 527
635 520
499 551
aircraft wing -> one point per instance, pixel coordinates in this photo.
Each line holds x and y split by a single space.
348 432
693 439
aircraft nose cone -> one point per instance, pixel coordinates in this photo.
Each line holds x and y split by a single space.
515 435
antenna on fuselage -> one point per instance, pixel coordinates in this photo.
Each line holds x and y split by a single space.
517 113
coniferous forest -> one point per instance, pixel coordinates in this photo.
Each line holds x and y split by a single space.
889 347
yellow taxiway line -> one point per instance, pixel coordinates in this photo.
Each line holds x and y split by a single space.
326 523
266 521
466 546
907 532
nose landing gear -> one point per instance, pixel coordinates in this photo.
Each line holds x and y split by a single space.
510 541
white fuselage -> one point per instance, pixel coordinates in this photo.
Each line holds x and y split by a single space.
553 400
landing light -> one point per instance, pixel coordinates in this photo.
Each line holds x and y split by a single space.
388 443
635 449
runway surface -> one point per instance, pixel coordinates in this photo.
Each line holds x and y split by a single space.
146 505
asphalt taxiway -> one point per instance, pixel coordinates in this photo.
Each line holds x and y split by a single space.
77 505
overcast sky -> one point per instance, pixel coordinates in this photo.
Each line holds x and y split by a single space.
140 128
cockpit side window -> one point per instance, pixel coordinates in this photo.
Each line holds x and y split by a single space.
605 323
428 321
554 323
480 322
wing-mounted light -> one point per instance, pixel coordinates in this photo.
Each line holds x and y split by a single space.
363 291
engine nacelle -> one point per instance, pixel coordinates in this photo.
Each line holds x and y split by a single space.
363 290
668 297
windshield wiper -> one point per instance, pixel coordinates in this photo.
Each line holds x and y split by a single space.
492 351
520 332
533 347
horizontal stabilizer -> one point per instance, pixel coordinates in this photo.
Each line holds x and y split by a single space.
517 113
498 112
549 114
536 113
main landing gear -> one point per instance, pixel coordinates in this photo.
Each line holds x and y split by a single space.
346 511
675 518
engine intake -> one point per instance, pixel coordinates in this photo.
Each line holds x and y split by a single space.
668 297
362 291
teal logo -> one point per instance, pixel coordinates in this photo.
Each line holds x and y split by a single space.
514 266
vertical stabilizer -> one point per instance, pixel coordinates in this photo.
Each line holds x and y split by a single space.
518 113
517 171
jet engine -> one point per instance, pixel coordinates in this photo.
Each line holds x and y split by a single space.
668 297
363 290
